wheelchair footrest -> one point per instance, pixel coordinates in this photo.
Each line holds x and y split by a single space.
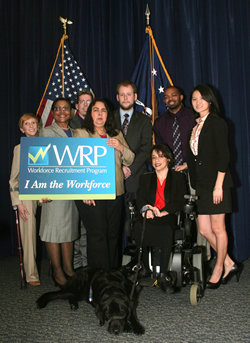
147 282
177 267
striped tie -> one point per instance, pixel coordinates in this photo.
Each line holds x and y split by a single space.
177 143
125 124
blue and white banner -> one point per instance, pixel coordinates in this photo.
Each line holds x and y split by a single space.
66 168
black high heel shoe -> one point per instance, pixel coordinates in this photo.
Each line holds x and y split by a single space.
56 283
214 285
233 271
67 276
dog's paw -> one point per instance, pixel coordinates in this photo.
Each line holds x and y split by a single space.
138 329
43 300
40 303
127 327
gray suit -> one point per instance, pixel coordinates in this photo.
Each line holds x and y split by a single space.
139 139
59 218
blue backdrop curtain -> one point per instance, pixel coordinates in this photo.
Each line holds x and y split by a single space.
200 41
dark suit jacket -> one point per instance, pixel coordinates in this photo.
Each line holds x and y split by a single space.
75 123
213 154
175 189
139 139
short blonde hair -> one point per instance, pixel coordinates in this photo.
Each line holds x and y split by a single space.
25 117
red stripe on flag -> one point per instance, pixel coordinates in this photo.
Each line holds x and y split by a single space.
50 119
42 107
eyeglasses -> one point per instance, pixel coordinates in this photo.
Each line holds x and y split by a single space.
61 108
87 102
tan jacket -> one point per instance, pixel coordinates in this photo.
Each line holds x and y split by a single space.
14 177
126 159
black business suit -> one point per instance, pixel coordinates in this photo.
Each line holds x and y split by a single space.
159 231
75 122
213 157
139 139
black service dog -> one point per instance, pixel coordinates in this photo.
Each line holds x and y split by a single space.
108 291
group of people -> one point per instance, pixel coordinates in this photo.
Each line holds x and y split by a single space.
183 141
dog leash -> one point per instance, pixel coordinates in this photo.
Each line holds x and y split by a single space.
138 266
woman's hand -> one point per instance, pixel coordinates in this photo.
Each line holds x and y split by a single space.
115 143
44 200
218 188
154 212
217 195
89 202
158 213
149 212
22 211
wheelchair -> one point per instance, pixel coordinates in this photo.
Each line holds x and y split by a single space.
187 259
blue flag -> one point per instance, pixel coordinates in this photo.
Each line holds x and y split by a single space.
151 78
66 80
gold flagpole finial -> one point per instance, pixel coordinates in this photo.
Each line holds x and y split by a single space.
65 22
147 14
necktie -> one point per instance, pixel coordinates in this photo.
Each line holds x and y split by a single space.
177 143
125 124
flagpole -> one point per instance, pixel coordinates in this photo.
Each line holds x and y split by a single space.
65 80
147 14
64 22
58 51
153 97
150 33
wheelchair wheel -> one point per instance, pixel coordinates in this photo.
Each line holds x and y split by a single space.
198 263
195 294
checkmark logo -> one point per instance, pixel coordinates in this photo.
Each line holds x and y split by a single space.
38 155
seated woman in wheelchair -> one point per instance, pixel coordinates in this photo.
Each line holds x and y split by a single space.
162 191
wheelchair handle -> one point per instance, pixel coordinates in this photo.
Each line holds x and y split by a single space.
144 209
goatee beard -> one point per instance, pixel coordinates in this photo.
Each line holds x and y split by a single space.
127 108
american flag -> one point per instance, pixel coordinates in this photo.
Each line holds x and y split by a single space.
151 78
66 80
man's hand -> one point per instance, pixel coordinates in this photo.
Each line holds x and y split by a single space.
89 202
181 167
126 172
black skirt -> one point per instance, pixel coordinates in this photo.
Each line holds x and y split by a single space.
205 203
159 231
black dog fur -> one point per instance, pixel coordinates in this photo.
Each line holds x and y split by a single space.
110 296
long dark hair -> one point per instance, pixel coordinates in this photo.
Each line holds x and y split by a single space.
110 125
208 95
